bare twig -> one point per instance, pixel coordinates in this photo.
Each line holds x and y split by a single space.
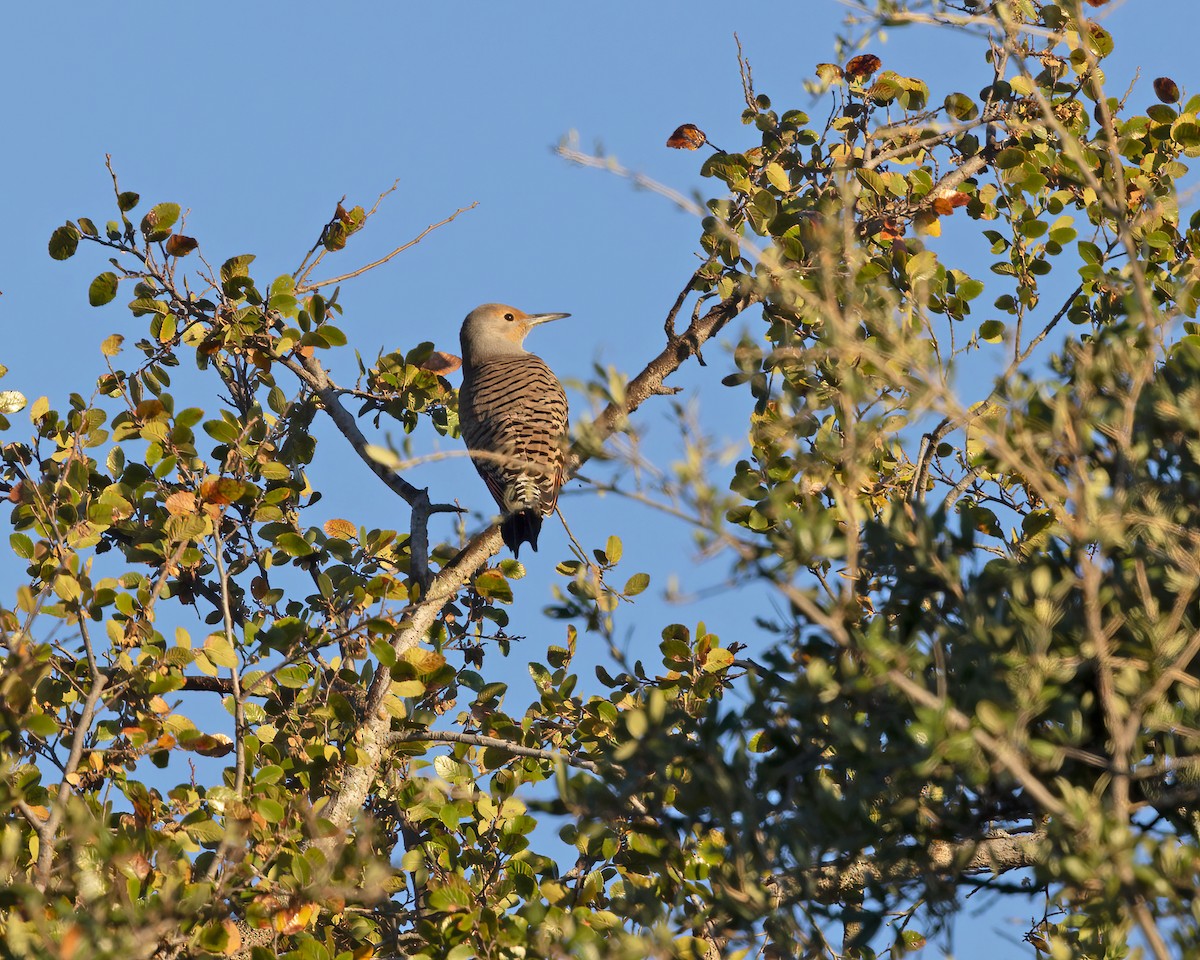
239 704
309 287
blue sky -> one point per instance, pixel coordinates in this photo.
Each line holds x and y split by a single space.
257 117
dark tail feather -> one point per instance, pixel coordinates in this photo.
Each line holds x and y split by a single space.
521 527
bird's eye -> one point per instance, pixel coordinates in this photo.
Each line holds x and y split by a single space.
509 317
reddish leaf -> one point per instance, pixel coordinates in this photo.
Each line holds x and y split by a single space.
687 137
1166 89
180 246
862 66
892 229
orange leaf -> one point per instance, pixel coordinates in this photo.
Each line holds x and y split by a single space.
181 503
234 944
180 246
687 137
892 229
862 66
221 490
72 940
340 529
439 362
295 919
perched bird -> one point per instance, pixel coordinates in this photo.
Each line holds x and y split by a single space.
513 414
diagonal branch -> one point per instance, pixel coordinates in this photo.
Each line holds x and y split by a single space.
350 793
313 375
997 852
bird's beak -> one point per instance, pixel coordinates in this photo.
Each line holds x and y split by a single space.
535 318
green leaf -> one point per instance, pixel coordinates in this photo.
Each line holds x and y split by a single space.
636 584
64 241
613 549
220 652
718 659
272 810
1186 131
103 289
67 587
777 177
21 545
293 545
407 688
236 267
921 267
127 201
157 223
992 331
961 107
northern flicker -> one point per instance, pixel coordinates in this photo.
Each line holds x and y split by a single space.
513 415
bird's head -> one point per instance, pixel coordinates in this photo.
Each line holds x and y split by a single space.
496 329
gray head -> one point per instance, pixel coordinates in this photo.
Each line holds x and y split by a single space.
498 330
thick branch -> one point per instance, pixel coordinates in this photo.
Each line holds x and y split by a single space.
649 382
996 853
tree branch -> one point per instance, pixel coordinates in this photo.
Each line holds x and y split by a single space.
995 853
310 287
352 790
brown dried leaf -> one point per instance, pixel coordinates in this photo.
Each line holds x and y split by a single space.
1166 89
687 136
234 944
441 363
181 503
211 745
862 66
829 72
945 203
149 409
180 246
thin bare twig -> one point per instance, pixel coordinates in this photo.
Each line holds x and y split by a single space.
309 287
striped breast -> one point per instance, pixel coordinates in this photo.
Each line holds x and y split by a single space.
513 416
